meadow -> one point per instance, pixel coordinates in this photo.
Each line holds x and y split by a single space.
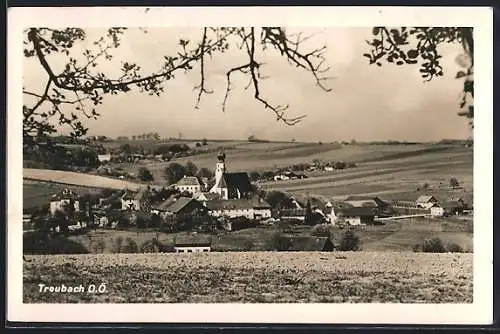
253 277
399 235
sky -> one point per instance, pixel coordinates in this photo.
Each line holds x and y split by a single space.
366 103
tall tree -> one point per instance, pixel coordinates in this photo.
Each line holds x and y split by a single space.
420 45
73 93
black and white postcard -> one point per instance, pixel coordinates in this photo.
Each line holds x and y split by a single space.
250 165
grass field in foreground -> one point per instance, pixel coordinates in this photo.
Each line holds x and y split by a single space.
265 277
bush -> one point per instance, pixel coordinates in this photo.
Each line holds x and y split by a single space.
117 247
455 248
432 245
144 174
130 246
321 231
280 242
349 241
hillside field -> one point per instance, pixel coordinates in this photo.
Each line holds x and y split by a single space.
253 277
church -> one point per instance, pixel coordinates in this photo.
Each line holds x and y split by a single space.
230 185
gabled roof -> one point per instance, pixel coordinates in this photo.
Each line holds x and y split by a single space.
189 181
209 196
135 195
65 194
426 199
361 198
179 204
358 211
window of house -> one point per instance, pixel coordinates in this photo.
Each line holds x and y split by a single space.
189 250
205 250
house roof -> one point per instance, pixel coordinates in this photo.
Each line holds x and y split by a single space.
163 206
134 195
188 181
209 196
358 211
308 243
65 194
178 205
361 198
426 199
235 204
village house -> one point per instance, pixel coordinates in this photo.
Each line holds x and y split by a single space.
230 185
190 184
255 208
135 201
436 210
194 247
104 157
59 201
287 176
426 201
180 208
353 216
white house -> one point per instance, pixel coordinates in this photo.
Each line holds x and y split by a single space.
104 157
192 247
190 184
59 201
426 201
255 208
437 210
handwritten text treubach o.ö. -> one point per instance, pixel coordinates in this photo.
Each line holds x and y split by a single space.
91 288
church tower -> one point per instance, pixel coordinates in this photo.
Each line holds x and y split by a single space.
220 168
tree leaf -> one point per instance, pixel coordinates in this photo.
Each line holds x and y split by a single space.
460 74
412 54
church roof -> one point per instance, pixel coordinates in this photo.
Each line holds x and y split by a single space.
239 181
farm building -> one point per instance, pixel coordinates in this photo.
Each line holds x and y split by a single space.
255 208
65 197
190 184
437 210
135 201
426 201
311 244
180 208
357 215
230 185
194 247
